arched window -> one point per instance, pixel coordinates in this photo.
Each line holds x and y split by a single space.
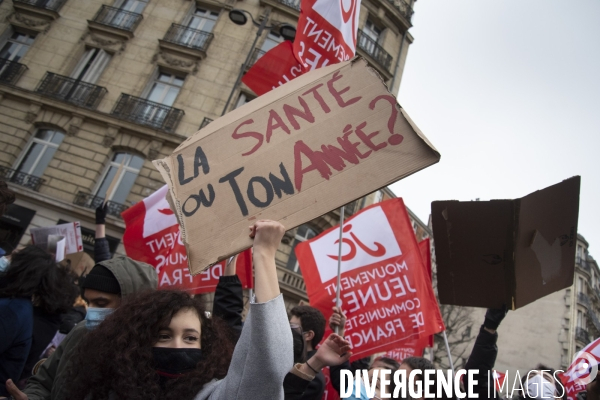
124 169
304 232
36 157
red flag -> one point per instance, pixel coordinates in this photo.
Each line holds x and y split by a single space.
274 68
326 34
152 236
413 348
582 370
499 378
330 393
385 290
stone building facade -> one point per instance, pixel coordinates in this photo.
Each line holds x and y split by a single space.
92 89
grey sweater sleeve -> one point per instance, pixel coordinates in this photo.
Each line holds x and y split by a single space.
262 357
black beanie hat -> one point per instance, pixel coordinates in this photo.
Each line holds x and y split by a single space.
100 278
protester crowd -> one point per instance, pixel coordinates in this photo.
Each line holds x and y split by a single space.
111 335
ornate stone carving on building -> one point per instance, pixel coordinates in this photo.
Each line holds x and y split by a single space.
74 125
111 134
105 42
182 64
30 22
154 150
31 114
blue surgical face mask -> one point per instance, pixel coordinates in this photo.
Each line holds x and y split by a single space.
95 316
359 395
4 263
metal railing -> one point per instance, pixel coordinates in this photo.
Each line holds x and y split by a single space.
582 335
10 71
146 112
256 54
52 5
582 263
117 18
404 7
205 122
372 48
584 299
295 4
91 201
188 37
21 178
71 90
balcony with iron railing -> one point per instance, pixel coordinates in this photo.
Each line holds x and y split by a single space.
583 299
71 90
21 178
146 112
205 122
404 7
582 335
188 37
295 4
256 54
44 8
582 263
374 51
10 71
121 20
290 7
91 201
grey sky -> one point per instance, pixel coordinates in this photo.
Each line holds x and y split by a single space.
509 93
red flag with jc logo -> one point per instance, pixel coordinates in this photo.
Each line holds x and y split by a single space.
152 236
386 292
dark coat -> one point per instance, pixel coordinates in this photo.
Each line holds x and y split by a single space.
16 328
45 326
482 358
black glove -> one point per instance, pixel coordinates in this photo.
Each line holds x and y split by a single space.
494 316
101 214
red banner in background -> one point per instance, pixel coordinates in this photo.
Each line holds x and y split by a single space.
326 34
152 236
386 292
274 68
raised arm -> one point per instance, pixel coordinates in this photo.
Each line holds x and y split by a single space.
264 353
101 249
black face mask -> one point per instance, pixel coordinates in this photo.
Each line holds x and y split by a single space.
169 361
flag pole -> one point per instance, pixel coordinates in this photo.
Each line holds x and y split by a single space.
448 350
339 271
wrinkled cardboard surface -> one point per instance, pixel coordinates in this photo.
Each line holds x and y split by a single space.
216 232
512 252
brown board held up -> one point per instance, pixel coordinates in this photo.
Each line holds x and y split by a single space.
513 252
308 147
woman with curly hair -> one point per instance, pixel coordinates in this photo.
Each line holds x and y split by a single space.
160 345
32 280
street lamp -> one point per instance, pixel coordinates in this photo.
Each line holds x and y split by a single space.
238 17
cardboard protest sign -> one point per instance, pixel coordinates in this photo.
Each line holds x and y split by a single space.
70 231
152 236
385 290
512 252
320 141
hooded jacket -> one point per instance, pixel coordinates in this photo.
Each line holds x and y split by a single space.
49 382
